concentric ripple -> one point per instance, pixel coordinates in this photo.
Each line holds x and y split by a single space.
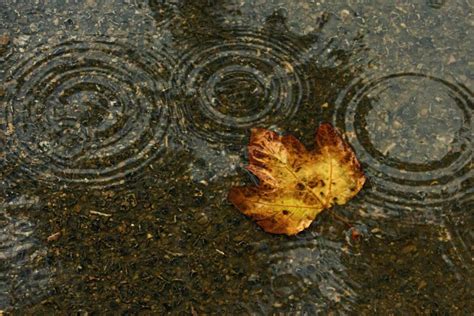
231 85
164 11
25 275
305 277
87 111
413 133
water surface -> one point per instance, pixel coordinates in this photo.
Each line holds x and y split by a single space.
124 124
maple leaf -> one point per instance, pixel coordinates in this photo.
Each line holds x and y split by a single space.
296 184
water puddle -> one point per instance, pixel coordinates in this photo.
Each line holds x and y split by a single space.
228 86
305 276
25 274
123 126
398 126
86 111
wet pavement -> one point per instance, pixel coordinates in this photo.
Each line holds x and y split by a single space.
123 124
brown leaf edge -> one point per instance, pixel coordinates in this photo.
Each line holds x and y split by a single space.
326 135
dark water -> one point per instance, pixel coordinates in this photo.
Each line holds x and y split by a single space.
123 125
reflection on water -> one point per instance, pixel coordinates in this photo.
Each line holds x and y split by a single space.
132 133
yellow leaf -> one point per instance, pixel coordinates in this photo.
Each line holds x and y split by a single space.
297 184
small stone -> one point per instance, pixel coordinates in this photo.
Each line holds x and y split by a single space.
34 27
422 285
21 40
397 125
408 249
345 15
253 277
202 219
122 228
451 59
54 237
376 230
4 40
91 3
129 201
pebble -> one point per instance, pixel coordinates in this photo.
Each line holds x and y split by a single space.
91 3
451 59
202 219
408 249
4 40
22 40
345 15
